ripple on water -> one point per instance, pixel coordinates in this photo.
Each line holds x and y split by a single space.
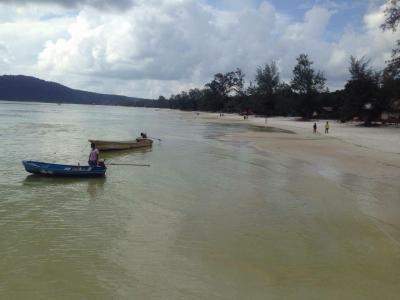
209 219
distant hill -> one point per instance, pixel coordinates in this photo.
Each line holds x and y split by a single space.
26 88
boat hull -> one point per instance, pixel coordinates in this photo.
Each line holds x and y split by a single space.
121 145
47 169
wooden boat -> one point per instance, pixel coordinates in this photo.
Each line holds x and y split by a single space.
121 145
48 169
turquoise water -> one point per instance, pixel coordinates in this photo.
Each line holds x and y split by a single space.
208 220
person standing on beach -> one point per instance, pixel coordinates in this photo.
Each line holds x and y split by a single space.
315 128
93 156
327 127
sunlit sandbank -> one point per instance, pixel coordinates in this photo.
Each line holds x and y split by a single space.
355 148
349 154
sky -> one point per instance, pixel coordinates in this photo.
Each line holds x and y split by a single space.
147 48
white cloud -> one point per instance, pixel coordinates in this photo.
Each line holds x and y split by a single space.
4 57
24 32
101 4
371 42
160 47
164 40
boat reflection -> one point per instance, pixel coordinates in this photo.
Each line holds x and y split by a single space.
95 187
36 180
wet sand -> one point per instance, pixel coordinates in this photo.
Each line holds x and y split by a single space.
348 148
363 161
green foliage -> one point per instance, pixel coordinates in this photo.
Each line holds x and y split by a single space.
362 92
366 95
392 21
307 83
265 90
227 84
392 15
287 102
305 80
390 91
267 79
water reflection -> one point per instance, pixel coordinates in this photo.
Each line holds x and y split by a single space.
108 155
60 180
95 187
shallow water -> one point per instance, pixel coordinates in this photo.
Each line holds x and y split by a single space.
208 219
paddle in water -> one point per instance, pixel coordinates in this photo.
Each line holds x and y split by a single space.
132 165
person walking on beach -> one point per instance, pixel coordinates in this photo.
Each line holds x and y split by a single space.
327 127
315 128
93 156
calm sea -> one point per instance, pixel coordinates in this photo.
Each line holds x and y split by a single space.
208 220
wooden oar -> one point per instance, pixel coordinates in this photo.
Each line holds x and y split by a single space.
133 165
154 138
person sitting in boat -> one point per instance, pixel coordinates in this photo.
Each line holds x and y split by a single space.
93 156
143 136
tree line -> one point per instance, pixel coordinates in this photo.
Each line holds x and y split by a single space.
366 96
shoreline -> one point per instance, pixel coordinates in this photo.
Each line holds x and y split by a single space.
356 159
372 152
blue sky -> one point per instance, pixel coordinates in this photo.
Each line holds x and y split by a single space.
348 13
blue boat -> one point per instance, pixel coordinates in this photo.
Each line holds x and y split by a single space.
48 169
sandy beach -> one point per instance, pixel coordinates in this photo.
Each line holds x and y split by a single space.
348 154
348 148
